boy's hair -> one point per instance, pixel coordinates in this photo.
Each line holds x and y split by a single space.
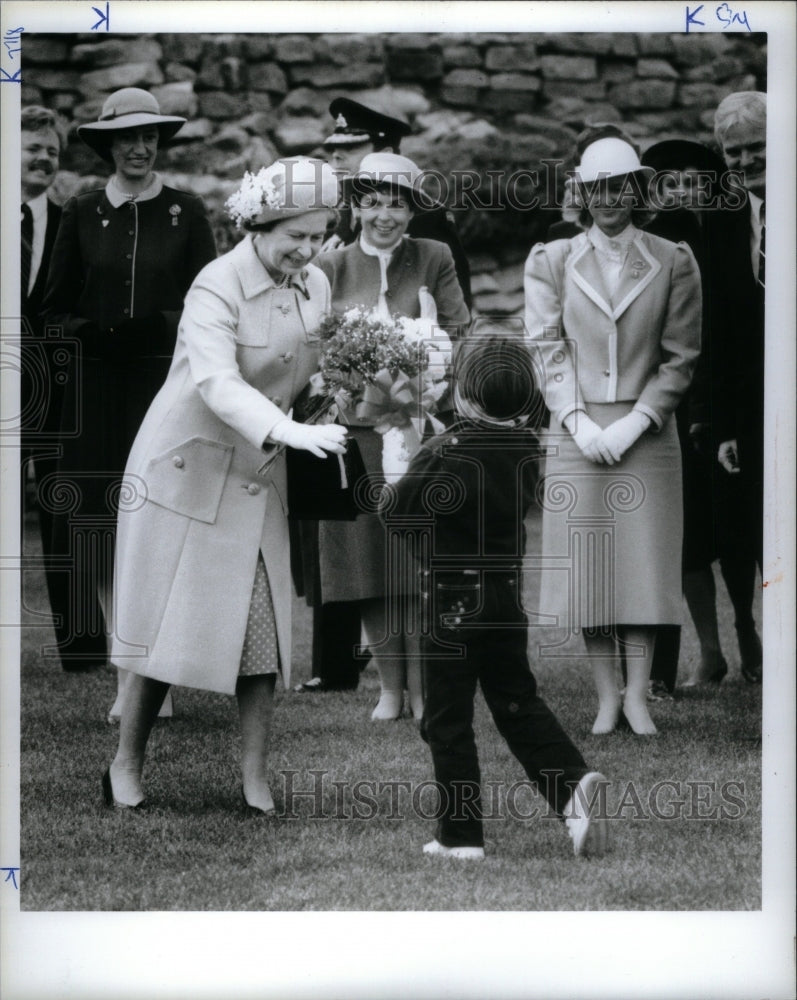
495 370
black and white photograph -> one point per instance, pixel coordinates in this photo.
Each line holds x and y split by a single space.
397 439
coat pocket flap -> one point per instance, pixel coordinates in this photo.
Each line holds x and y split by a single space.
189 478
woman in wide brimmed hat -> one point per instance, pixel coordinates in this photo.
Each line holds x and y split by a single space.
615 315
204 522
123 260
385 270
689 187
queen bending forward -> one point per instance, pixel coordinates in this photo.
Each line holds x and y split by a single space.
203 588
615 316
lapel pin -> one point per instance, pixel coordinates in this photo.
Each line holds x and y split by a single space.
104 223
174 211
638 265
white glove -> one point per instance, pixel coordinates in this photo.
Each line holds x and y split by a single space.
728 456
617 438
316 438
584 432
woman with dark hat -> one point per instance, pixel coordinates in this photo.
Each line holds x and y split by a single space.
397 275
615 317
124 257
689 193
204 522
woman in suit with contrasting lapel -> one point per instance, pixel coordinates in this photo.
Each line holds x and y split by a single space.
615 317
388 271
202 587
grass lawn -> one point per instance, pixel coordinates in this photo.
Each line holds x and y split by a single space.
195 849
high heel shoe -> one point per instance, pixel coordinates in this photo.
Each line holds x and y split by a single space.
389 706
108 796
256 811
715 676
625 723
606 727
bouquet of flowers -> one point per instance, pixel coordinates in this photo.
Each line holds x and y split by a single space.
388 369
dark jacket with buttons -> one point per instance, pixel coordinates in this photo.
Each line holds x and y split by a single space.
115 287
473 485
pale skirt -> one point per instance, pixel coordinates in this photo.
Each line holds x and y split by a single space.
612 534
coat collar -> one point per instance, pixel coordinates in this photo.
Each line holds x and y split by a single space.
117 197
254 277
640 268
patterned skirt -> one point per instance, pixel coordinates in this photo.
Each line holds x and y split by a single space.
260 653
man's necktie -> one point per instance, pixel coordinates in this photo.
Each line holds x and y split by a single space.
762 251
26 249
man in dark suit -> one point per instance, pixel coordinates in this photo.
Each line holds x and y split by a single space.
740 130
40 390
360 130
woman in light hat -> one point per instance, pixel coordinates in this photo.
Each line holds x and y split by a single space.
386 270
203 589
615 317
124 257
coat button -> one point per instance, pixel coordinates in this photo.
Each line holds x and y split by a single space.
128 256
253 489
454 440
178 461
456 620
286 357
131 232
276 400
607 373
126 312
558 357
558 378
127 282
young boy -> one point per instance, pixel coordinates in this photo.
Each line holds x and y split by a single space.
471 487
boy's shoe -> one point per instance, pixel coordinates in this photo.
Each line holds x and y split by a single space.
463 853
587 827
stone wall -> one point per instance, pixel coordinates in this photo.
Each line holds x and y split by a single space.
478 102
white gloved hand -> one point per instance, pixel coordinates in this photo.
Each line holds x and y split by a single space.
615 440
584 432
316 438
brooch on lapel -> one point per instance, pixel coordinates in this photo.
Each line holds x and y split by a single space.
101 213
174 211
636 266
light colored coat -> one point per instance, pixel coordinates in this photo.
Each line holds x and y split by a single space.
642 349
195 512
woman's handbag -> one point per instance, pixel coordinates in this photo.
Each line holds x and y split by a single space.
322 489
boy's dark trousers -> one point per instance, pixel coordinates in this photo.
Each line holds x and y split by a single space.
481 611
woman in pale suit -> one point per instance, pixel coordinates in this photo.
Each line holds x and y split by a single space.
386 270
615 316
203 569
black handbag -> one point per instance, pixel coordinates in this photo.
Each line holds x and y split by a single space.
322 489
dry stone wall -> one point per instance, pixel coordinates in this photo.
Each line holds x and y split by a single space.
492 106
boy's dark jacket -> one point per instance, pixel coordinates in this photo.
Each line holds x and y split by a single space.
475 483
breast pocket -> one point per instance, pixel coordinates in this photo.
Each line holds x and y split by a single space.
189 478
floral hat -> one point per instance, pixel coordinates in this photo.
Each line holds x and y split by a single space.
291 186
